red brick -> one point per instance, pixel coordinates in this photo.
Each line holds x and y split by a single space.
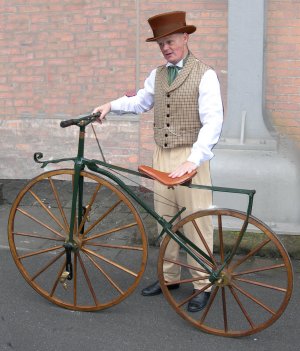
70 55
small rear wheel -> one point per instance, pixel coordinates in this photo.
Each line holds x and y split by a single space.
251 291
111 243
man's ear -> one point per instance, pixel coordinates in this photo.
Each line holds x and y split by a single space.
185 37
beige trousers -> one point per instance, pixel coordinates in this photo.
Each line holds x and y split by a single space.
166 160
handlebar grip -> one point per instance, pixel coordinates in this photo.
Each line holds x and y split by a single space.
68 123
82 121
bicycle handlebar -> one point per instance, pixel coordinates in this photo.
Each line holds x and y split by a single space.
68 123
82 121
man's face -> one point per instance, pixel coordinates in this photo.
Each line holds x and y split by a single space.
174 47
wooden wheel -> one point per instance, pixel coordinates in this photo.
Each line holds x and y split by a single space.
251 292
112 245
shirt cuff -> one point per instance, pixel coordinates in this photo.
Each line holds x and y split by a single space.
199 158
115 105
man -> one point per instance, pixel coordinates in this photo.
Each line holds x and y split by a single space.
188 116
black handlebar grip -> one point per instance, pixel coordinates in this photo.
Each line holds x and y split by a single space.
68 123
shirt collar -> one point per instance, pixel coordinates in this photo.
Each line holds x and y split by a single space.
180 63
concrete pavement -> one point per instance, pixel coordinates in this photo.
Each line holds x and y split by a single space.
29 322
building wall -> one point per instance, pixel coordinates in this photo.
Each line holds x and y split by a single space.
61 58
283 67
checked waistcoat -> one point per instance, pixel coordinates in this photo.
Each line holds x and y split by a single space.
176 110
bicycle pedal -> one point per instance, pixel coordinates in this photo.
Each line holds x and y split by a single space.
64 277
87 209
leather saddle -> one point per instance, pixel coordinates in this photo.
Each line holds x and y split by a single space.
163 177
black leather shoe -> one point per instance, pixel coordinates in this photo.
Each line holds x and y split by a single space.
155 289
198 302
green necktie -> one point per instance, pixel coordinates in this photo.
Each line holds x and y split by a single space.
173 70
172 73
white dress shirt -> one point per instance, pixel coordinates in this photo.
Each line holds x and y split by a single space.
210 111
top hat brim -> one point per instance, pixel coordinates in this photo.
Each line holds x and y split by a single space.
186 29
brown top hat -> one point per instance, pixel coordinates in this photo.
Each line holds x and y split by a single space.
169 23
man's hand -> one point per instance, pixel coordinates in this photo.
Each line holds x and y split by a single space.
185 167
104 110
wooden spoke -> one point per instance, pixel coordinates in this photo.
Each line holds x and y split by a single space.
185 265
56 281
40 222
183 281
104 273
100 219
221 239
183 302
242 307
209 305
260 269
89 283
61 210
224 310
88 208
208 250
250 254
37 236
111 231
202 258
46 209
268 286
251 297
39 252
121 247
124 269
50 263
75 279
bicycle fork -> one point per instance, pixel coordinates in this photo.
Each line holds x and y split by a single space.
76 227
70 244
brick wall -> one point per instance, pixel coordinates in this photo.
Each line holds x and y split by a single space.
283 67
61 58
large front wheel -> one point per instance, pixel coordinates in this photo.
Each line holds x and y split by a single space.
110 241
251 291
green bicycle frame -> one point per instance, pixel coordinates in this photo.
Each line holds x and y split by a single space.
77 198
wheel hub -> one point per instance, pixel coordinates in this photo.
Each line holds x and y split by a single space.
224 279
77 242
